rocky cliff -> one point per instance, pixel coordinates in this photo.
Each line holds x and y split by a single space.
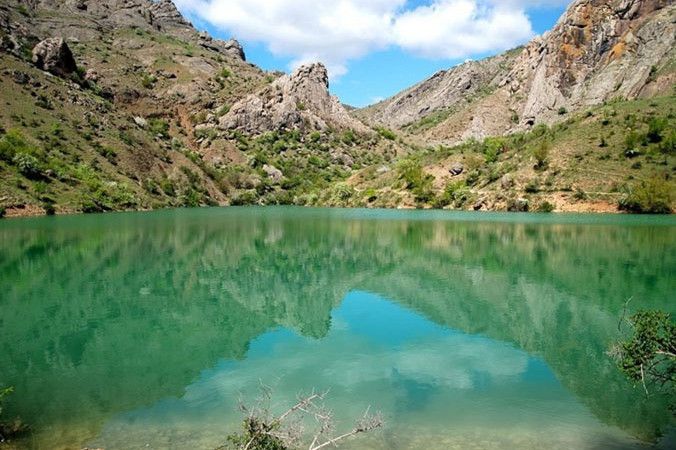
297 101
599 50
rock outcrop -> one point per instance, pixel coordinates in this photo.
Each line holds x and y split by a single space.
297 101
230 47
53 55
599 50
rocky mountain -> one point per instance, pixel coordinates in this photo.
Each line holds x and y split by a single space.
297 101
599 50
123 104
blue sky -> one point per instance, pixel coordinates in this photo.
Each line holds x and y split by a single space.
373 48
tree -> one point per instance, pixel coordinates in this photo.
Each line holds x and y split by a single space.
648 355
264 431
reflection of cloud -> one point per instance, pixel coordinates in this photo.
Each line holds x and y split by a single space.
413 377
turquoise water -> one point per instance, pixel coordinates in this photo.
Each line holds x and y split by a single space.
144 330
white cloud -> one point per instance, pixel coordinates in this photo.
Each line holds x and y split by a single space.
337 31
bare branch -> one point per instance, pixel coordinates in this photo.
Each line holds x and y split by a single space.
643 381
624 313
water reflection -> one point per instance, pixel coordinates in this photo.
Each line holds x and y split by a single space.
433 385
106 315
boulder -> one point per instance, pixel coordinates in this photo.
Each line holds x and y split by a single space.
141 122
53 55
273 173
457 169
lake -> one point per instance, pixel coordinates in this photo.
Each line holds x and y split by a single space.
487 331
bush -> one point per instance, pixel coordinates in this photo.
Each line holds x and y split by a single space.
648 355
148 81
656 127
456 194
545 207
3 211
348 137
12 143
563 111
27 164
653 196
541 155
492 147
159 127
386 133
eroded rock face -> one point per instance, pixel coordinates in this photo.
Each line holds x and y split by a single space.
297 101
598 50
164 14
53 55
230 47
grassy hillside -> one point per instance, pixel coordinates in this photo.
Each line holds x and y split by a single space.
621 155
144 134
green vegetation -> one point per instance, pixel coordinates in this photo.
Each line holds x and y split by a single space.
386 133
148 81
651 196
551 164
648 356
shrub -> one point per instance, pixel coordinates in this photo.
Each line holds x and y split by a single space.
12 143
3 211
456 194
348 137
647 356
386 133
492 147
653 196
668 145
223 110
656 127
148 81
532 187
541 155
343 191
27 164
540 130
545 207
159 127
563 111
225 73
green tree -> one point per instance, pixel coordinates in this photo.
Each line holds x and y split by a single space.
648 355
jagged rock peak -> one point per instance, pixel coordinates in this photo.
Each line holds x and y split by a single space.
165 13
310 73
231 46
297 101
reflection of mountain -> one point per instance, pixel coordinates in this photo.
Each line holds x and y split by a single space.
379 353
106 314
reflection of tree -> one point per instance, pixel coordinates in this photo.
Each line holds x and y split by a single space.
110 313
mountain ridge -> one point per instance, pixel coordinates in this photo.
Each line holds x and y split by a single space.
581 62
152 113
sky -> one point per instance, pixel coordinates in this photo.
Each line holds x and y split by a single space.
373 48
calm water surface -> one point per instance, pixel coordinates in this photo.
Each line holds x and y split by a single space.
467 331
